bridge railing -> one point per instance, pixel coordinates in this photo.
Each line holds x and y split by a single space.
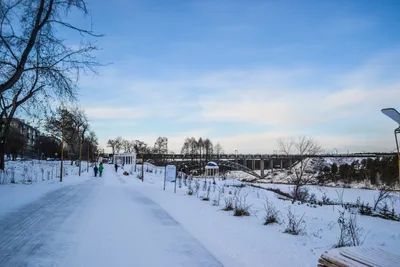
265 156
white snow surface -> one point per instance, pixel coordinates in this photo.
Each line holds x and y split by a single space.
119 220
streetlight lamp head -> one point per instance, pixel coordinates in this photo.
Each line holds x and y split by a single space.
392 113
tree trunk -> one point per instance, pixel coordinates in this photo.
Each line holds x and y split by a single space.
5 125
2 152
80 157
296 192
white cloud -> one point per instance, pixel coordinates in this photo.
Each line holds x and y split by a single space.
279 98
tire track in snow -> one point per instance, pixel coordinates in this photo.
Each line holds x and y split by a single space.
24 233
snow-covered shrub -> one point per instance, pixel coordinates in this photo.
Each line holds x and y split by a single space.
296 225
271 213
340 194
241 207
228 204
205 185
312 199
196 187
302 194
218 196
207 197
190 191
326 200
350 232
365 209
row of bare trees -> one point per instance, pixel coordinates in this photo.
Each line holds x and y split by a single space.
70 125
202 147
37 66
119 144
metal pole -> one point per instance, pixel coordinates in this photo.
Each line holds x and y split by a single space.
175 181
165 175
62 148
80 155
142 168
88 155
396 131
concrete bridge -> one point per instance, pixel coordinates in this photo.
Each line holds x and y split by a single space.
246 162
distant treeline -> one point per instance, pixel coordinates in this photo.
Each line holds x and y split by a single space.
382 170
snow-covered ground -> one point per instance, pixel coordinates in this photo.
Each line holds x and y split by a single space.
36 171
119 220
245 241
30 184
345 195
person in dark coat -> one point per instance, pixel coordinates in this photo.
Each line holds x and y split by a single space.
95 169
116 167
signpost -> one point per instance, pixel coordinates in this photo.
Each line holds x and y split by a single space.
170 174
395 116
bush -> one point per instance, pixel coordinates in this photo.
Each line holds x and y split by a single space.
228 204
296 225
272 213
196 188
350 232
312 199
365 209
326 200
241 208
302 194
217 198
190 191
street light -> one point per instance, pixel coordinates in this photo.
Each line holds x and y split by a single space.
394 115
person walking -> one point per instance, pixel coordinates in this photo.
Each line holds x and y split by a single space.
101 168
116 167
95 169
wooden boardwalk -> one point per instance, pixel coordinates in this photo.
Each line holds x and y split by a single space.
358 257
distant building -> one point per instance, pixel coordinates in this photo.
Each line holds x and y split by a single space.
30 134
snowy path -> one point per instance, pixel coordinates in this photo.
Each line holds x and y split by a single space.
98 223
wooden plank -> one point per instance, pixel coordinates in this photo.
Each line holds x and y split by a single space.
360 256
326 263
335 257
371 257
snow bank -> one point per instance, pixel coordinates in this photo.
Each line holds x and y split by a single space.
245 241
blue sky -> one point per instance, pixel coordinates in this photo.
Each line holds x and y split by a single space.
245 73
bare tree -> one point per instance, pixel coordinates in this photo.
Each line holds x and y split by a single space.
126 145
208 148
304 147
385 193
186 146
63 123
112 143
118 144
92 143
218 149
36 64
285 145
161 145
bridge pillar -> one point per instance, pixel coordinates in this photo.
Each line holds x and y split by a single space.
281 164
271 164
253 165
290 163
245 162
262 168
